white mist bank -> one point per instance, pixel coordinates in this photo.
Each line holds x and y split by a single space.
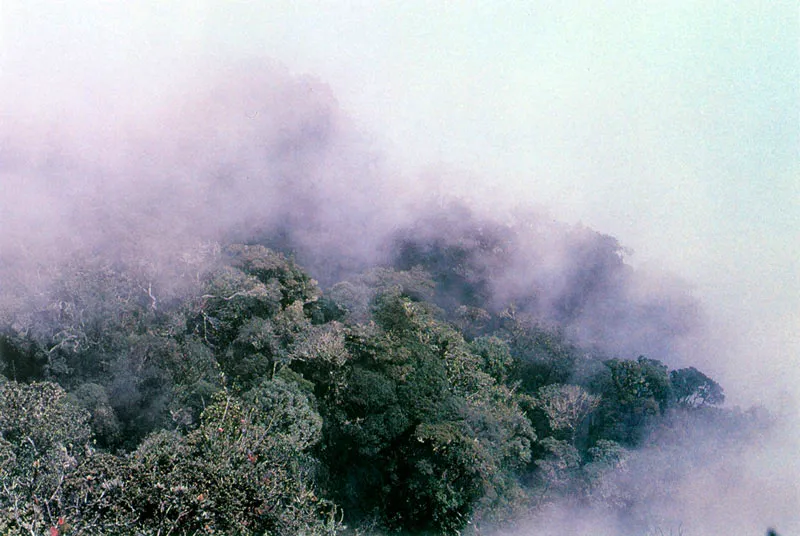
702 488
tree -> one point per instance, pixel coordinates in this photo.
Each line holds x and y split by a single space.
557 469
252 310
565 406
693 389
42 439
272 268
21 359
246 469
496 356
104 423
418 431
541 355
634 394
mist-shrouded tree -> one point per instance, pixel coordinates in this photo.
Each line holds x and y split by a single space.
354 297
693 389
104 423
94 306
252 309
634 395
230 298
565 406
21 358
558 469
542 355
270 268
462 253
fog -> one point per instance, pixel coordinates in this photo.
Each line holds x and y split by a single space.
148 133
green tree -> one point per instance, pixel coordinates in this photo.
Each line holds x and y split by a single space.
634 394
42 439
104 423
541 355
245 470
418 431
251 311
566 406
693 389
496 357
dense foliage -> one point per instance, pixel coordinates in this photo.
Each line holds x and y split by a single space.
247 400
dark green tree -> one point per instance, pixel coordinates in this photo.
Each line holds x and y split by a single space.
42 440
634 394
418 431
693 389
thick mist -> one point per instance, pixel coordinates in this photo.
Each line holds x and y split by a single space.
248 153
246 147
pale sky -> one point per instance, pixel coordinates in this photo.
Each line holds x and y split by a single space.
674 126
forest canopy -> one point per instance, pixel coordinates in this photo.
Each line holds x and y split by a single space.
452 388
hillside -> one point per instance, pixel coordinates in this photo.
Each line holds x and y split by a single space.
471 380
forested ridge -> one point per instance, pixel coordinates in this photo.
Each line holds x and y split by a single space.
450 389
